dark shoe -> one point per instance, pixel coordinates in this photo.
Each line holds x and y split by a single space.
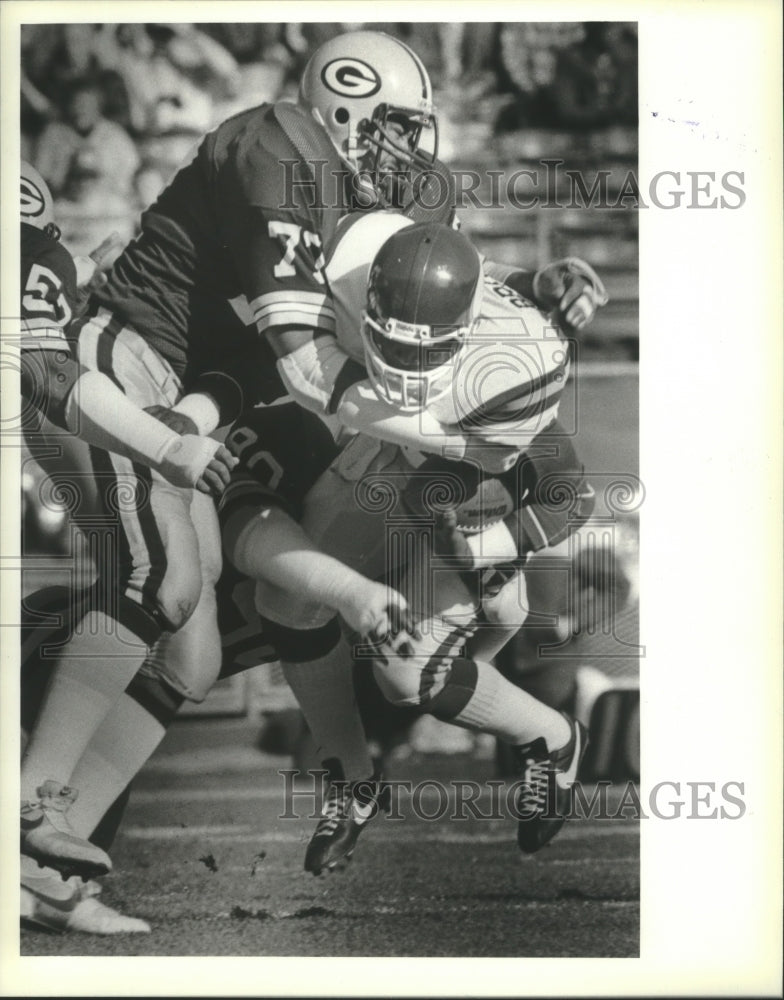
544 795
348 808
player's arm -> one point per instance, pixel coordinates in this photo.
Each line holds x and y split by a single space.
570 287
262 538
265 543
279 256
298 320
88 403
555 499
91 406
326 381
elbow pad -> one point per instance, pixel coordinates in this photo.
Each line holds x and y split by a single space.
361 410
318 373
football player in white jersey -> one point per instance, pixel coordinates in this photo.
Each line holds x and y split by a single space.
456 364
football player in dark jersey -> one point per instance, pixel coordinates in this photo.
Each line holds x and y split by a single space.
53 287
53 382
232 248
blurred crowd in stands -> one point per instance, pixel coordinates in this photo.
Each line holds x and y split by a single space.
108 111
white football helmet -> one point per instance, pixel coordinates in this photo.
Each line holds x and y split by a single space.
424 296
373 96
36 204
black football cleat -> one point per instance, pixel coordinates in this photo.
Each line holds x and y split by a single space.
348 808
544 793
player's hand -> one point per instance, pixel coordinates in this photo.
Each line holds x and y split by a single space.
198 462
572 288
378 612
450 541
179 422
90 269
215 478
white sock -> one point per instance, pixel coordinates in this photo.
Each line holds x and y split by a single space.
117 752
504 710
92 672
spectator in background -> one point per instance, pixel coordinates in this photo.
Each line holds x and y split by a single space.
174 75
467 57
529 60
596 82
68 56
85 152
263 59
90 164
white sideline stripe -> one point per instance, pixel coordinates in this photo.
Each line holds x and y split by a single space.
605 369
243 834
459 908
302 794
524 859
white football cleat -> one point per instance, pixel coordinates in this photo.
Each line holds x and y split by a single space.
59 905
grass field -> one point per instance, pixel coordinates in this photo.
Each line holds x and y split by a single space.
205 858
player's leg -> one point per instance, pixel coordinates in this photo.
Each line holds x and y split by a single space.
504 609
183 665
47 900
317 664
184 661
148 580
435 673
341 525
304 628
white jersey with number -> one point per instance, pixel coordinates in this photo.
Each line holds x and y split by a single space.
506 382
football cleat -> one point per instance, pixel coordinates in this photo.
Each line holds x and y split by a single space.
544 795
347 809
52 904
47 836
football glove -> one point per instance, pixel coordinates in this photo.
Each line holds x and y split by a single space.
572 289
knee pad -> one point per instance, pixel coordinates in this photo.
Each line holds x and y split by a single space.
443 692
399 680
508 606
188 661
301 645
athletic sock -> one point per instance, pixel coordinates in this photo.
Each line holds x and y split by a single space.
492 704
123 744
93 669
324 689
